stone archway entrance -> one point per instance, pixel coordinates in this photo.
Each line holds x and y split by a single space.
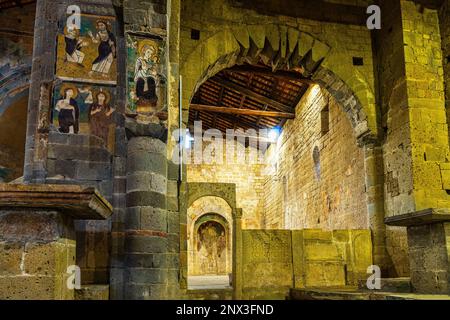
210 253
209 243
286 49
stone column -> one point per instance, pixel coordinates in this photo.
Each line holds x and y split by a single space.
373 164
37 238
237 254
148 245
42 76
429 249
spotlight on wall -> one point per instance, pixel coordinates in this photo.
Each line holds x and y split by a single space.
274 134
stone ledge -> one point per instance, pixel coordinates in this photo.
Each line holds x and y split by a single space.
79 202
423 217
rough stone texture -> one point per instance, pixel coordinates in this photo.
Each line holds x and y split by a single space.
82 159
36 247
409 80
249 186
429 252
151 269
37 237
225 31
275 260
301 193
444 26
95 292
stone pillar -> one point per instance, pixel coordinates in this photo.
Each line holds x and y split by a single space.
183 200
373 164
37 238
429 249
42 75
149 247
237 254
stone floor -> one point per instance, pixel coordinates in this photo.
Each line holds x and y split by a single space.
352 293
208 282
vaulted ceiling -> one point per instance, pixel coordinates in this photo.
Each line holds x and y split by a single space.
247 97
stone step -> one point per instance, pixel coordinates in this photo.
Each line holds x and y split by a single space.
395 285
355 294
210 294
346 293
92 292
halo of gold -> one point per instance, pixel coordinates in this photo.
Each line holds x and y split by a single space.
105 22
66 86
105 92
144 43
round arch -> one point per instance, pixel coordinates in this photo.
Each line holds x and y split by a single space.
280 46
210 238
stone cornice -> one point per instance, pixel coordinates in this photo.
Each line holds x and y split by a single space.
79 202
423 217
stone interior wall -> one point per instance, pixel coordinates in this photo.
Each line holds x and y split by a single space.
426 102
273 261
326 190
247 175
283 191
35 251
390 65
16 47
444 27
86 160
221 24
83 159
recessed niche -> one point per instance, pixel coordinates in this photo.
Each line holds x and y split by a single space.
195 34
358 61
316 158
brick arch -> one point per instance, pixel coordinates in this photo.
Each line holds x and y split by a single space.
282 46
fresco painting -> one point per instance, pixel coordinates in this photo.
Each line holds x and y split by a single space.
84 109
88 54
145 76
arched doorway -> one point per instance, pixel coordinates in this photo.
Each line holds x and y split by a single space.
231 56
13 121
210 244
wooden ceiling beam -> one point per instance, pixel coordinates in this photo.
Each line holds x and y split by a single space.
238 111
251 94
280 74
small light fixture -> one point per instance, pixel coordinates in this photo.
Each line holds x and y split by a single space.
274 134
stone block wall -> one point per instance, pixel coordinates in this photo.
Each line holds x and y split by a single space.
34 255
330 258
426 103
444 27
287 189
83 159
429 250
273 261
248 176
224 28
316 179
267 268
